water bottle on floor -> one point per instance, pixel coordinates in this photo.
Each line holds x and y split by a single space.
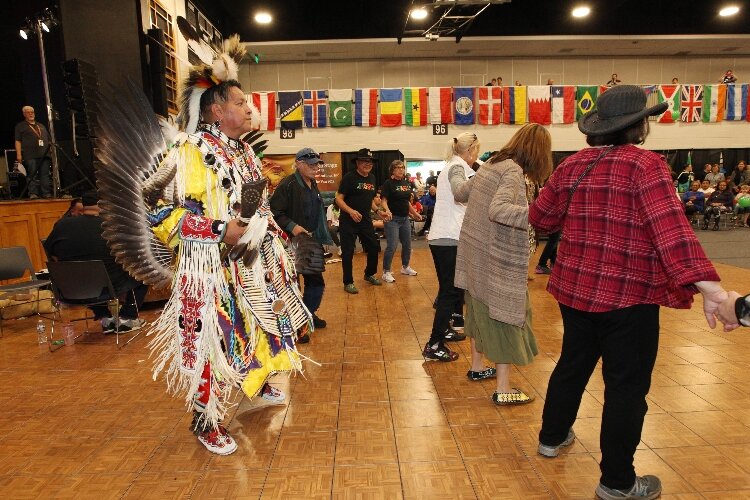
41 332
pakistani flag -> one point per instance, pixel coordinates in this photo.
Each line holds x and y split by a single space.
340 107
585 99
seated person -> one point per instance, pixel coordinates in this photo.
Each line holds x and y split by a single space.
332 221
685 178
742 208
715 176
693 200
80 238
375 210
428 207
718 203
414 202
706 188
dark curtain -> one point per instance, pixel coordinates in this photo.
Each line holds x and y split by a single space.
382 163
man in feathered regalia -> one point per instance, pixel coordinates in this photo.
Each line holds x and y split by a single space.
235 307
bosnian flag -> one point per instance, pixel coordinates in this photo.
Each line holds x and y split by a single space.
736 101
563 104
365 107
441 105
265 102
490 102
540 110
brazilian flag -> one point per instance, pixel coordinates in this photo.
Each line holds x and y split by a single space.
585 99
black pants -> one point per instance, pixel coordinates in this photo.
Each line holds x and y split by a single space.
427 213
348 232
131 297
550 249
312 294
627 341
450 299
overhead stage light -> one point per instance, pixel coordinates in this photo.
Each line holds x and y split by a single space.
263 17
729 10
582 11
419 13
24 32
44 26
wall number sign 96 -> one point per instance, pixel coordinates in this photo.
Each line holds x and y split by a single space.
286 133
440 129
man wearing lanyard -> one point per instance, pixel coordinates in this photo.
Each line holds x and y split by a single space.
32 149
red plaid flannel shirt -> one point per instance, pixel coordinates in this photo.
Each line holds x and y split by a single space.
626 240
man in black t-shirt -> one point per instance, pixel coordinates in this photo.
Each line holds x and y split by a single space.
354 198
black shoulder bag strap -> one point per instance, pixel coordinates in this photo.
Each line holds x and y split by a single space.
578 181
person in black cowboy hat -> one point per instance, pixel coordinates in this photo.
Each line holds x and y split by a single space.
626 249
354 198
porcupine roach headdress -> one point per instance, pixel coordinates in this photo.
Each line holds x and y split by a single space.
204 76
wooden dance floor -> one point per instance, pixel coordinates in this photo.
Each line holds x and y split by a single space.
374 421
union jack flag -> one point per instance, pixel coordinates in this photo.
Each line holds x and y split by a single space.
692 103
315 103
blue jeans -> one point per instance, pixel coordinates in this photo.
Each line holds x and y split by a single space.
397 229
38 173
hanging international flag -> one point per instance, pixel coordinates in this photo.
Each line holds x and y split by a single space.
366 107
265 103
652 98
315 104
390 107
691 103
514 105
290 106
602 89
540 110
585 99
463 104
563 104
340 107
490 102
672 96
441 106
736 101
415 106
714 102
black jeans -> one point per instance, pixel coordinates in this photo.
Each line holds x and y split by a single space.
38 174
312 294
550 249
348 232
131 298
450 299
627 341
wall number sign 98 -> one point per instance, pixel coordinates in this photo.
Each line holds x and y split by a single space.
286 133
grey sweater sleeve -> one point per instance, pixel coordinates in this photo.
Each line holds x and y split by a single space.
460 185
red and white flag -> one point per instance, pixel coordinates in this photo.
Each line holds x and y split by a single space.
540 110
266 104
490 100
563 104
440 104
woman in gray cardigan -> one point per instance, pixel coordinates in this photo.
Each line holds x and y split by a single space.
493 258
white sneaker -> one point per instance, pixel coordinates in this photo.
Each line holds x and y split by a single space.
388 277
272 394
408 271
338 251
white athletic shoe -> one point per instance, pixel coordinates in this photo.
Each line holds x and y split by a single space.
408 271
388 277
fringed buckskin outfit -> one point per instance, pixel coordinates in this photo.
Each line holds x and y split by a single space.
226 325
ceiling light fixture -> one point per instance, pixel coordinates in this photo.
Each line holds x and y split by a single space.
582 11
419 13
729 10
24 32
263 17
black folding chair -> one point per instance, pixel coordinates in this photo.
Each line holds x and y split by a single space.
85 282
14 265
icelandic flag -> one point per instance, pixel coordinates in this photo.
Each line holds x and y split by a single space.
514 105
315 103
736 101
366 107
463 103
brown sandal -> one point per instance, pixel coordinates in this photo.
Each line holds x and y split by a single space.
511 398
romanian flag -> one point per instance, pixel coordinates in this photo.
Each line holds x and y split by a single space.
390 107
514 105
415 106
